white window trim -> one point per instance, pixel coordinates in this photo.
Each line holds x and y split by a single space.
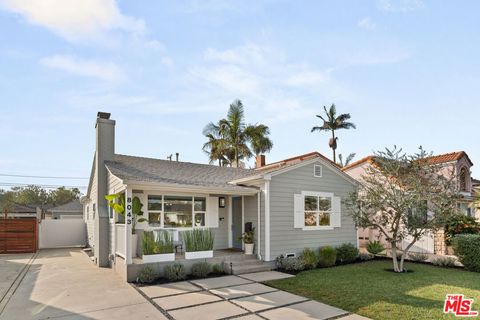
323 195
162 212
321 170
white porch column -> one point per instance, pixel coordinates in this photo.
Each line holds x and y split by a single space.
230 223
128 226
267 220
243 220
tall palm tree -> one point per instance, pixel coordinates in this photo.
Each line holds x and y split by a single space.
229 139
258 136
348 159
332 122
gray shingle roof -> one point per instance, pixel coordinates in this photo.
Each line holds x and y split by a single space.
139 169
73 206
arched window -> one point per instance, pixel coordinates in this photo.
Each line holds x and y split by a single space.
463 179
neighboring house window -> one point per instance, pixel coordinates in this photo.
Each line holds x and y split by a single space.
317 211
317 170
464 209
93 211
177 211
418 216
463 179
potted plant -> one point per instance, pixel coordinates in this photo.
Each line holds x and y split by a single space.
117 203
248 240
157 247
198 243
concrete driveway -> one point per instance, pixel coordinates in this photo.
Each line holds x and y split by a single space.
64 284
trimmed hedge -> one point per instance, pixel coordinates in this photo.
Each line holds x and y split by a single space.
467 249
346 253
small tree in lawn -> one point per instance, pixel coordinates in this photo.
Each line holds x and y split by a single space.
403 196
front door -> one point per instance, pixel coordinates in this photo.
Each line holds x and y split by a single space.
237 222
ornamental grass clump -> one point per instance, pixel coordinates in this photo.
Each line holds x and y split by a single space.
201 269
327 256
175 272
147 275
158 242
309 258
198 240
375 247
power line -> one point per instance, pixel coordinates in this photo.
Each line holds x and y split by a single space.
43 177
14 184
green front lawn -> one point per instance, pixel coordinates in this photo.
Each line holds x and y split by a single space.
369 290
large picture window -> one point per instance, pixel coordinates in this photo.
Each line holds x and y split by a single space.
317 211
176 211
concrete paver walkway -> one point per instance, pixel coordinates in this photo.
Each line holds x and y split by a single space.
64 284
237 297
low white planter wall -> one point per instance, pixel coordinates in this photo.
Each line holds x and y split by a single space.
163 257
199 254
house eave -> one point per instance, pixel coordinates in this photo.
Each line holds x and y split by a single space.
157 186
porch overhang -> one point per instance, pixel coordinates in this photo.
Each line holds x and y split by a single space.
167 187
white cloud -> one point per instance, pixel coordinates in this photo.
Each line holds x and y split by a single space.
76 20
107 71
366 23
400 5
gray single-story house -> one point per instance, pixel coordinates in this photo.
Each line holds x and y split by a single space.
293 204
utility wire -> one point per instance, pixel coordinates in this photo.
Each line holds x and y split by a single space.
43 177
13 184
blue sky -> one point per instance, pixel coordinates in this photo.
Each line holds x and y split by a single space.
406 70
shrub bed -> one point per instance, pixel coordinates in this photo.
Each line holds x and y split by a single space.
467 249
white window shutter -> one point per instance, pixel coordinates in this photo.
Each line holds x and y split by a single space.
212 212
299 215
336 218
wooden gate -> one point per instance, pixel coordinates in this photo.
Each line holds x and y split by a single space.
18 235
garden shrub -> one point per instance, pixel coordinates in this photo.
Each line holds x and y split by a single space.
467 249
460 224
175 272
291 264
217 268
147 275
309 258
444 262
375 247
346 253
327 256
366 256
201 269
418 256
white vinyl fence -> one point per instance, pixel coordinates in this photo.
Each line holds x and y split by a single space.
62 233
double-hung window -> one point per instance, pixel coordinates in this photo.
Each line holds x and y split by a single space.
317 211
155 210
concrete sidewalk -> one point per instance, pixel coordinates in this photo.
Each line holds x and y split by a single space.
63 283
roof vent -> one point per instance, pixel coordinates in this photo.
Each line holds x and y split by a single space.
103 115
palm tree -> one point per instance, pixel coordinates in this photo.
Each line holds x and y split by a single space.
229 140
258 136
332 123
347 160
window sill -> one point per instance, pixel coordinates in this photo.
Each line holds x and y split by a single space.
317 228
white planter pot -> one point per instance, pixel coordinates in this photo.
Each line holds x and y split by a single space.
134 245
249 248
199 254
163 257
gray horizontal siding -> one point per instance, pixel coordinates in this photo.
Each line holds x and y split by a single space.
284 238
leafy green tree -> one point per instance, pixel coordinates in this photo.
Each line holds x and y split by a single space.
332 123
31 195
232 140
63 195
403 197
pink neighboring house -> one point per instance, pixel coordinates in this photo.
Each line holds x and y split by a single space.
457 163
